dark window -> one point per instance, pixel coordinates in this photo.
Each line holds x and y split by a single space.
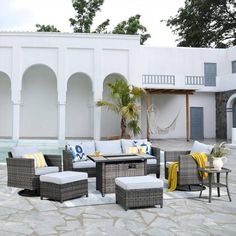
210 71
233 66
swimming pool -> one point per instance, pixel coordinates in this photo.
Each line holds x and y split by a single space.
45 146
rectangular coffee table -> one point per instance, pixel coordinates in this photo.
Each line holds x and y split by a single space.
108 167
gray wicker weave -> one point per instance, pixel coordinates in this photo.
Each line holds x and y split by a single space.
188 173
139 197
21 171
62 192
151 168
107 172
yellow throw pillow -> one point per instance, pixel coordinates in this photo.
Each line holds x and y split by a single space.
132 150
39 160
135 150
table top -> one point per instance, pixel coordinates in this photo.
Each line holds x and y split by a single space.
213 170
120 157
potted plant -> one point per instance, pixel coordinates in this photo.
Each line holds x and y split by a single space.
219 155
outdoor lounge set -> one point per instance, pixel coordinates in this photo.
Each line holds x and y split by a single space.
117 166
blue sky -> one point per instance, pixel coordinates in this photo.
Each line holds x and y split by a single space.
22 15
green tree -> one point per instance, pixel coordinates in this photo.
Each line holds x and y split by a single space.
124 102
133 27
46 28
205 23
85 12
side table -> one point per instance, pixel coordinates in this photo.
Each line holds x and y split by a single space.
218 185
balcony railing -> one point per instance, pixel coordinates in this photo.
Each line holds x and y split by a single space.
159 79
194 80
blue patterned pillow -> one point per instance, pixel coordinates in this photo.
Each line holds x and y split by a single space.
77 152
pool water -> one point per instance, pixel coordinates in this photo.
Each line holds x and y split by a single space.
44 146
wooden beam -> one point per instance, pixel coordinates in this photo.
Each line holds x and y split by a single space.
147 110
187 118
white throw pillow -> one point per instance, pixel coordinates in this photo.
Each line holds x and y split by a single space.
201 147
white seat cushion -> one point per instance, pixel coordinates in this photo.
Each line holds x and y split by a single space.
84 164
46 170
20 151
152 161
109 147
64 177
138 182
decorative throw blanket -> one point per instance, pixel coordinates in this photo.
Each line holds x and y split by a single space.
200 158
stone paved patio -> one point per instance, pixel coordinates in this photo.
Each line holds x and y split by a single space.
31 216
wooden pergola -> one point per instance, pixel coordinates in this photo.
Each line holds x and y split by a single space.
185 92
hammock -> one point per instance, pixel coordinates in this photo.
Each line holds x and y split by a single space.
151 112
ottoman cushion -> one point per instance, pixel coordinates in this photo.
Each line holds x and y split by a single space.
64 177
138 182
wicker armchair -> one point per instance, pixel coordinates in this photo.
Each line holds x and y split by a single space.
151 168
188 174
21 171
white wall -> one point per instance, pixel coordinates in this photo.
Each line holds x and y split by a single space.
168 106
79 107
5 106
39 107
98 56
207 101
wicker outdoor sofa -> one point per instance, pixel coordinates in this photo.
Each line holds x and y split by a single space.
22 173
153 166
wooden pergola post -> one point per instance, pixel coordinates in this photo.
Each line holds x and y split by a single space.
187 117
147 110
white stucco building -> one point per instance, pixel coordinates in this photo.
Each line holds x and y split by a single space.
49 83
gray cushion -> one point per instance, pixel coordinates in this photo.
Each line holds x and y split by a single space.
139 182
20 151
46 170
108 147
201 147
84 164
64 177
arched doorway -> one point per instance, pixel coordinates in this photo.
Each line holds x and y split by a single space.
231 115
5 106
39 108
79 107
234 113
110 121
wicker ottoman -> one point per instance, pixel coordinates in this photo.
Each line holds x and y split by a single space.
139 191
63 186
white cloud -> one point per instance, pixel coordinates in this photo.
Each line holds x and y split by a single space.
24 14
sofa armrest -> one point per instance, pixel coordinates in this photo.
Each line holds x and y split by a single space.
156 152
67 160
53 160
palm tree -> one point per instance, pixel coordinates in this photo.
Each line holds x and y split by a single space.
124 102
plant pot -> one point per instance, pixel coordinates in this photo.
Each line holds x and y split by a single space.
218 163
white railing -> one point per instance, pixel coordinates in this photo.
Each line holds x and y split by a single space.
194 80
158 79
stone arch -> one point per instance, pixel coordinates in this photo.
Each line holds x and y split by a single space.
6 117
39 103
229 108
79 106
110 121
